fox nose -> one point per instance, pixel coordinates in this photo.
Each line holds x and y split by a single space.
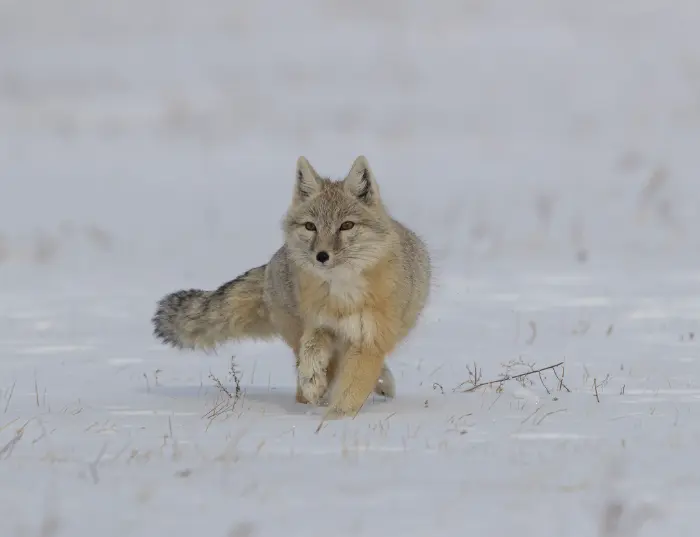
322 257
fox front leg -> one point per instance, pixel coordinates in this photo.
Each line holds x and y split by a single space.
315 354
356 380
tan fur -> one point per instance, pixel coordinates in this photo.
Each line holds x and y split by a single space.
341 317
367 328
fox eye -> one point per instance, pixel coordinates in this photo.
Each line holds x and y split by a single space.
347 225
310 226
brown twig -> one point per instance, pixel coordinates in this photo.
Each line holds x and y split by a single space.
504 378
474 375
561 379
220 385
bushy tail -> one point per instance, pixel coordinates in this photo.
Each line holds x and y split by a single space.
193 318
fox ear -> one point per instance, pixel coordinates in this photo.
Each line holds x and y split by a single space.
307 182
361 183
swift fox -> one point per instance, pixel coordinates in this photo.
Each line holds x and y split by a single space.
346 287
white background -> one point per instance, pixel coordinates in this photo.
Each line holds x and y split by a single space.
546 150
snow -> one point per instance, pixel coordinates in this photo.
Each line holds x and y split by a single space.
546 150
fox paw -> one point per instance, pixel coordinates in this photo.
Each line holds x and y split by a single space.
386 385
313 383
340 411
344 405
312 371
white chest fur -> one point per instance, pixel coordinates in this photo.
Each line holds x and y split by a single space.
349 289
346 287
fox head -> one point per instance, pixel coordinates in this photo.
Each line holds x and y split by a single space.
332 226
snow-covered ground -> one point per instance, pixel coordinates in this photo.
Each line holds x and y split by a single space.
547 151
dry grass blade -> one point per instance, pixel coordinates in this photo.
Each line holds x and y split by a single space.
504 378
9 397
7 449
561 379
229 400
